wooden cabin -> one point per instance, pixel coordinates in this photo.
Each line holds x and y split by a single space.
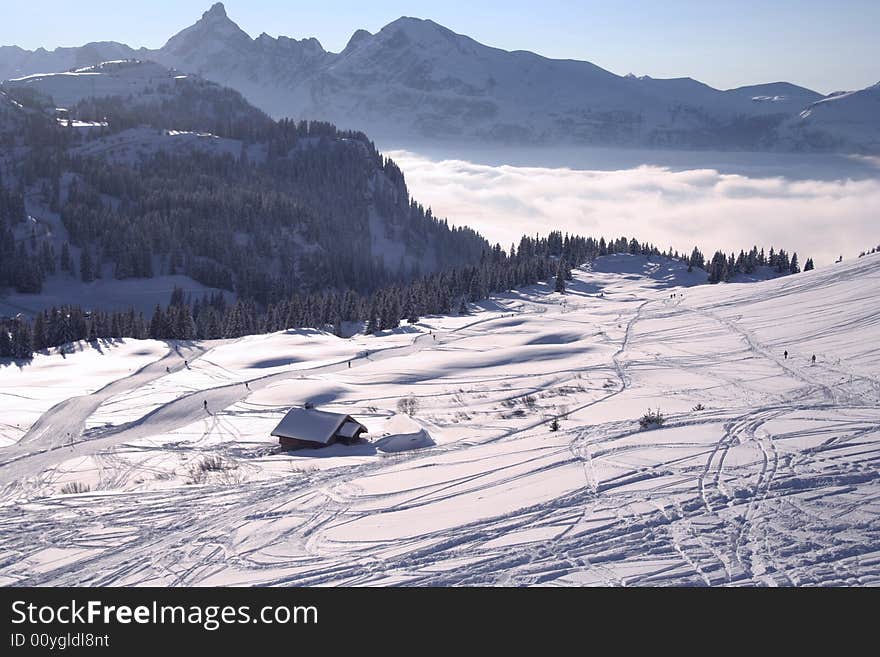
311 428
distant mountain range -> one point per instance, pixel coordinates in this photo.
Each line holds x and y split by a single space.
416 80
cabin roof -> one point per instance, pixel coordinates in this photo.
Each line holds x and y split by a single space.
314 426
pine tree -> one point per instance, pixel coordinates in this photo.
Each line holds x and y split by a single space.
718 268
808 266
21 341
5 342
39 333
157 324
412 311
66 261
560 276
183 326
85 266
373 319
794 268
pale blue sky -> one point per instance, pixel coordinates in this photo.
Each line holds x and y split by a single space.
820 44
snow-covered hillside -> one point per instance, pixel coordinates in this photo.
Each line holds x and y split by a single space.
765 471
851 119
415 79
119 78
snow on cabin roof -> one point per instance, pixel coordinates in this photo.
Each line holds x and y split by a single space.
350 429
313 426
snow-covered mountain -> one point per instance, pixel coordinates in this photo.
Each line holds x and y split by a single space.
112 78
415 79
17 62
840 121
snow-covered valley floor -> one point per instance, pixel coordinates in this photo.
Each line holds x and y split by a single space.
774 481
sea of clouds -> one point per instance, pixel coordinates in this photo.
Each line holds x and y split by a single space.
822 218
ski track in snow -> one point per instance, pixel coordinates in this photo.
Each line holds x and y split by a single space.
774 483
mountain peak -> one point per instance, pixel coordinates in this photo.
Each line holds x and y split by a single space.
215 18
214 27
358 37
411 24
421 31
217 11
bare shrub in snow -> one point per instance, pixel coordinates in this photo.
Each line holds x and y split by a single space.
198 472
303 469
73 487
408 405
652 419
212 464
698 407
232 476
197 476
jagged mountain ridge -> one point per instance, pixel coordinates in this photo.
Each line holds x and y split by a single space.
415 79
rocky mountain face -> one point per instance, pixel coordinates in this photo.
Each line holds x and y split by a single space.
416 80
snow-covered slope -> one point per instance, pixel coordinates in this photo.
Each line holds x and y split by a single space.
113 78
415 79
765 471
842 121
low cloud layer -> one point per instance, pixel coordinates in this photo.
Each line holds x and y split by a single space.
703 207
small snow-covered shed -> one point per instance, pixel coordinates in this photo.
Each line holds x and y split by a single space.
309 427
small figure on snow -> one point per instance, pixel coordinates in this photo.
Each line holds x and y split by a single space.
206 405
814 359
786 354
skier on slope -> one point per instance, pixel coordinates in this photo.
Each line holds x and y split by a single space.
786 354
814 359
206 405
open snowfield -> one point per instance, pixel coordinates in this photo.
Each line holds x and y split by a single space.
773 482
